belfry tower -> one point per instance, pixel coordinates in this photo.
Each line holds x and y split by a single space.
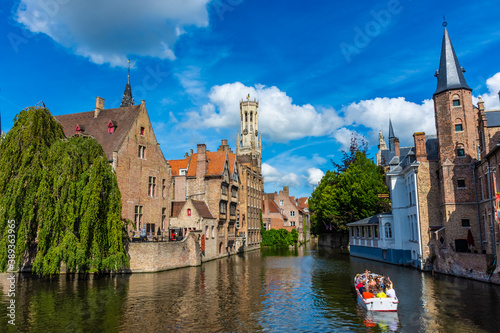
249 155
249 142
456 127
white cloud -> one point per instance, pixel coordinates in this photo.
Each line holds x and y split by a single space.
491 100
279 119
272 175
343 137
108 31
314 175
407 117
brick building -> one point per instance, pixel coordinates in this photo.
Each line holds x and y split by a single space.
281 211
249 153
212 179
451 192
128 140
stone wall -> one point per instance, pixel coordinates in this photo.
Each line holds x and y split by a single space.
162 256
467 265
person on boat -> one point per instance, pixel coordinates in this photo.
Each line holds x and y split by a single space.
381 294
391 293
367 295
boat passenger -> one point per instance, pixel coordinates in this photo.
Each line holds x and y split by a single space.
391 293
362 290
382 295
367 295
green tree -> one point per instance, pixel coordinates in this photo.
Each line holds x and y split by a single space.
348 196
62 195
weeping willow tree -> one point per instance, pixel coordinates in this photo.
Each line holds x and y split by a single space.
63 196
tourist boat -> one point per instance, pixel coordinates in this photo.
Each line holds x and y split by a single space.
376 303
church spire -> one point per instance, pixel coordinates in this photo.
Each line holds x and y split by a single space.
391 135
127 99
450 74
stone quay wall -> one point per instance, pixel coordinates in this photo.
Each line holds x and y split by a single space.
162 256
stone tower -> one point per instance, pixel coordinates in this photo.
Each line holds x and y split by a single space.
457 135
249 155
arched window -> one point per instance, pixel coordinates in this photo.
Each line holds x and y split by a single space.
189 212
460 150
251 116
246 117
456 100
206 232
388 230
458 125
213 232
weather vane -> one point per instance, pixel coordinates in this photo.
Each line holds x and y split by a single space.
128 62
444 22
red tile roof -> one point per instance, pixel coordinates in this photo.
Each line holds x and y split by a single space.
176 208
176 165
302 202
215 163
123 118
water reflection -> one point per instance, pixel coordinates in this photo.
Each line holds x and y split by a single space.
302 290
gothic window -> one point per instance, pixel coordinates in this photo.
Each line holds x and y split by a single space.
163 217
246 117
251 116
163 187
142 151
142 130
138 215
456 100
458 125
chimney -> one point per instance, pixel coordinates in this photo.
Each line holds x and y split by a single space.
99 106
285 190
420 147
186 155
223 146
201 161
396 147
480 103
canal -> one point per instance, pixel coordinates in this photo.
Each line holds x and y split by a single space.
307 290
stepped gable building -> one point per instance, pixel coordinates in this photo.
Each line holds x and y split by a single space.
128 140
249 154
282 211
212 179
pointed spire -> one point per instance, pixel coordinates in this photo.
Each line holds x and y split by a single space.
127 99
391 136
450 74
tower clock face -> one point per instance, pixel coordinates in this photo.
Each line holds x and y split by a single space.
245 132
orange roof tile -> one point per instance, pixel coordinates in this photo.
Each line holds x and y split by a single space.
232 163
216 162
192 166
176 165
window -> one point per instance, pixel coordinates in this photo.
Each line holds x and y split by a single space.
292 223
138 215
375 232
150 228
357 231
282 202
466 223
461 183
292 213
224 189
111 127
213 232
163 188
369 232
458 128
363 232
234 192
142 151
142 130
223 207
460 152
388 231
232 209
456 100
163 217
189 212
206 232
152 186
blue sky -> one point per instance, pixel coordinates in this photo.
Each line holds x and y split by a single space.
321 70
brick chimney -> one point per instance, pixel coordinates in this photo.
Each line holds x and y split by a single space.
99 106
396 147
224 146
201 161
420 147
285 190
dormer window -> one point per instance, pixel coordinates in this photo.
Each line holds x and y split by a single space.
111 127
78 129
142 130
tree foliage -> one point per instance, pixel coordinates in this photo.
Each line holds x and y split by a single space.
62 195
280 238
347 196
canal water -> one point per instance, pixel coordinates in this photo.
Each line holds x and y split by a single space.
306 290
